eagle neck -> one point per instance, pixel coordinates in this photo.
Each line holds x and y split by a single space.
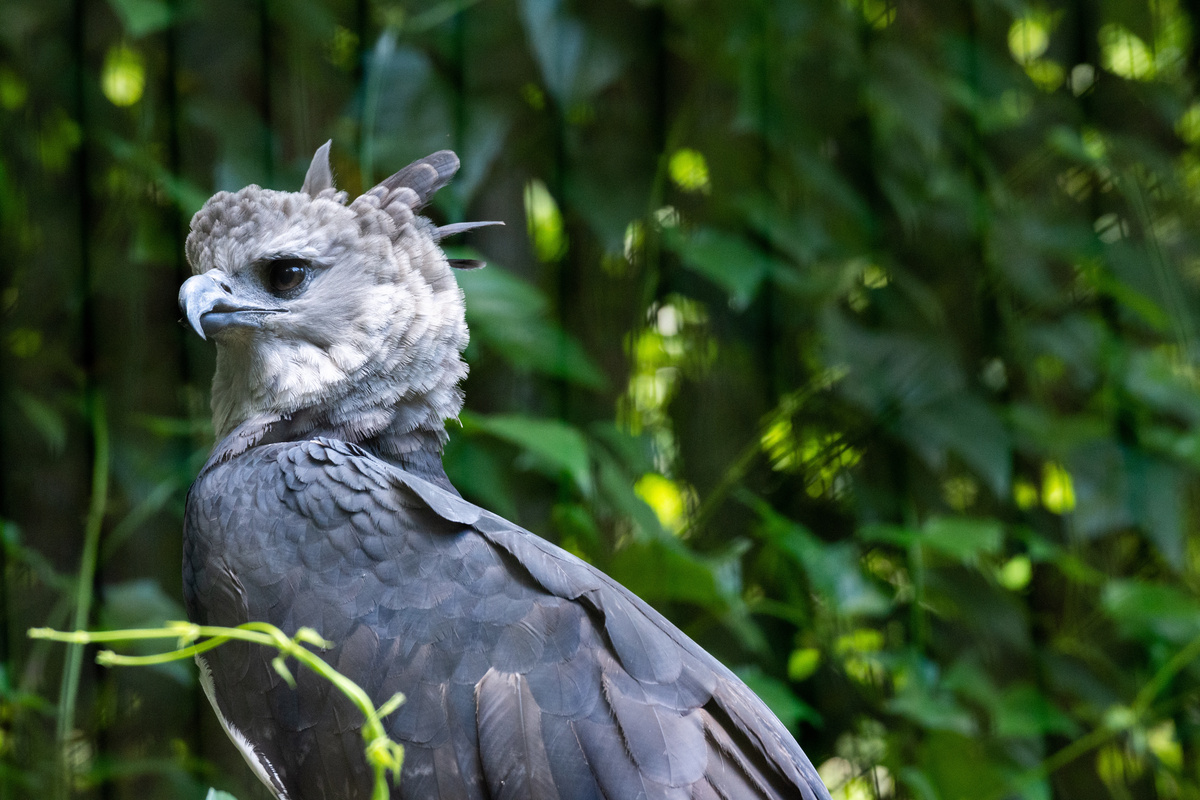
418 452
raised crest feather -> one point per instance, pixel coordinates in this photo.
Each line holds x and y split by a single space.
455 228
319 176
424 177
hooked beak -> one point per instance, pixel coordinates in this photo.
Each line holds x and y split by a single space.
210 306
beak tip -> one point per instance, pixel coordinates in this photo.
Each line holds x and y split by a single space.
196 325
196 297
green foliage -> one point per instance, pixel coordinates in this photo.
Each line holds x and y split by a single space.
860 337
549 445
509 317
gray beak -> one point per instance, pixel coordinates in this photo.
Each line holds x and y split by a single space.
210 305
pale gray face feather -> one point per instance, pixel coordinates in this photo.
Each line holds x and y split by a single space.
313 303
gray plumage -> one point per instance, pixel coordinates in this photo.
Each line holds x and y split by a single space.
528 673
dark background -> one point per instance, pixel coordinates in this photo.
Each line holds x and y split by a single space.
858 336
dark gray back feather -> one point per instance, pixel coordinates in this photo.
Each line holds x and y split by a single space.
528 673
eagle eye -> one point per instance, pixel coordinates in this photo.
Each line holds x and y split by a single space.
286 274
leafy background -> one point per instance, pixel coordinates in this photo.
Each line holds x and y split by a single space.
859 336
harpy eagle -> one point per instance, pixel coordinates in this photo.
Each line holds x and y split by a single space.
528 673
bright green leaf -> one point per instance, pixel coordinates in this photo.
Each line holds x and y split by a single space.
544 222
1016 573
803 662
1029 37
123 78
689 170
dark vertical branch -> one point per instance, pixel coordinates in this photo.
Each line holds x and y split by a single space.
361 14
264 45
175 148
458 76
72 673
87 346
175 165
185 367
564 266
772 358
653 287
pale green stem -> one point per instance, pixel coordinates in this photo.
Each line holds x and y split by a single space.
69 688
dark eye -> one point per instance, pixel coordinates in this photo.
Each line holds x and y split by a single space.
286 274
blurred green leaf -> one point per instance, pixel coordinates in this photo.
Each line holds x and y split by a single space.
553 446
660 570
959 765
729 261
1162 381
477 472
932 710
967 427
618 464
961 538
833 569
1156 498
578 528
508 315
790 709
46 420
141 17
574 62
406 108
803 662
1024 711
1147 609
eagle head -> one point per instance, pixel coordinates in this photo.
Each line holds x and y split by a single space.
345 313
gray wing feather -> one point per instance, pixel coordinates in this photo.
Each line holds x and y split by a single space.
512 746
527 672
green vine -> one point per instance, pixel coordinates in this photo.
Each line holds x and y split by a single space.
383 754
